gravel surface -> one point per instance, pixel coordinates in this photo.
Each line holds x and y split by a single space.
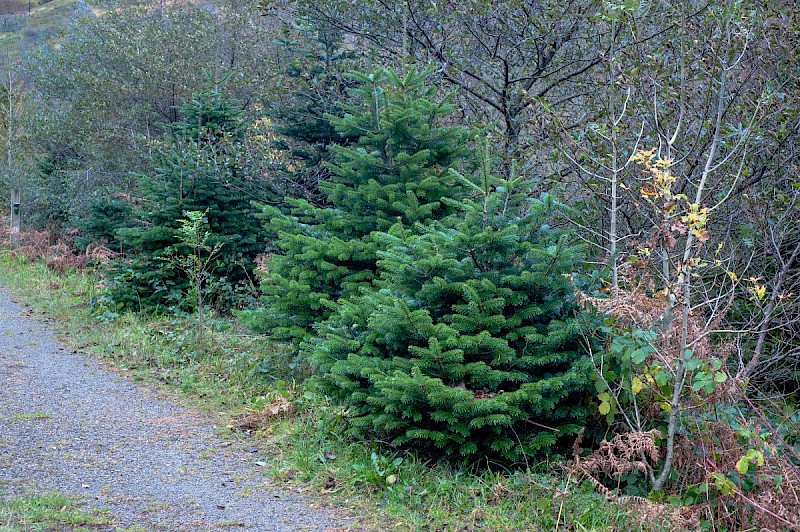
68 425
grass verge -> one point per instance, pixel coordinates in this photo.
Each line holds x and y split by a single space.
245 379
46 512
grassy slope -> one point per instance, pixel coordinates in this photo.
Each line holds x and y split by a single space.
45 24
230 374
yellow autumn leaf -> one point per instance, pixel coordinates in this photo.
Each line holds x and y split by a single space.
758 291
662 162
742 465
636 385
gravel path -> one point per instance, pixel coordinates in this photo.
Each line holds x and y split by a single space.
68 425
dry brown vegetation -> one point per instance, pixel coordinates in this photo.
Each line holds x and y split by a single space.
708 457
56 251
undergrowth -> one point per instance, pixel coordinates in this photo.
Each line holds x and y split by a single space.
46 512
250 383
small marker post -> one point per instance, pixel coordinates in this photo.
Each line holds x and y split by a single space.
15 217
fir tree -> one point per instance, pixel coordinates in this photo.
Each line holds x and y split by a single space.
468 344
397 172
316 62
107 213
195 170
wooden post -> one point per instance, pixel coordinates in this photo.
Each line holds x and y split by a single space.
15 217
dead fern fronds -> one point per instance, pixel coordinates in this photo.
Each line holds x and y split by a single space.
33 245
777 505
635 305
5 236
624 453
63 263
652 515
98 252
277 408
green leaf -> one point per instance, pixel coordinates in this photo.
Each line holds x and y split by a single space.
639 355
720 377
755 456
723 484
742 465
693 363
604 408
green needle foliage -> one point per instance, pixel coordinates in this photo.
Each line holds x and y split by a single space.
396 173
195 170
313 90
469 342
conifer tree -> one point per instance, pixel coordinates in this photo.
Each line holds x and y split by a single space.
195 170
469 343
397 172
312 90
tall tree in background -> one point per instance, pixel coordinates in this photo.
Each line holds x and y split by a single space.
505 58
105 92
312 90
722 107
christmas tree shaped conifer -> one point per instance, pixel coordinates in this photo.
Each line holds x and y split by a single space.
396 173
469 342
194 170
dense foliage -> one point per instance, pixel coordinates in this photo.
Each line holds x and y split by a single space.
469 341
397 172
195 170
433 301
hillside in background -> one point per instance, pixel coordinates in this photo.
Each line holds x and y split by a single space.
26 25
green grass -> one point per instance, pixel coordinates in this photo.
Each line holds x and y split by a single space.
46 512
414 494
232 373
27 416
